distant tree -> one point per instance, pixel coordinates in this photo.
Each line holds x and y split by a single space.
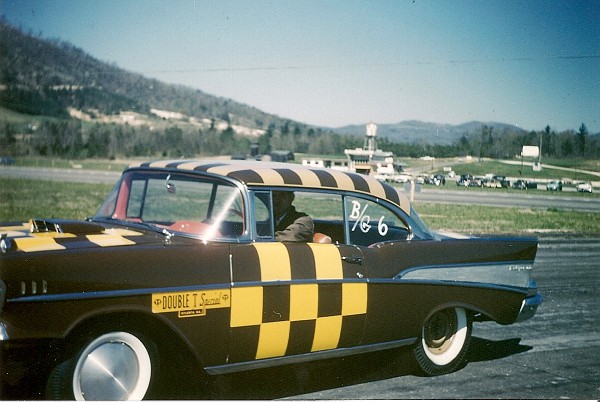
285 128
566 146
227 139
8 140
264 141
580 140
547 142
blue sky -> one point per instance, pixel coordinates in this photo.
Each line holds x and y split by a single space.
332 63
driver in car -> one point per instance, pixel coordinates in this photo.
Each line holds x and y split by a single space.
290 225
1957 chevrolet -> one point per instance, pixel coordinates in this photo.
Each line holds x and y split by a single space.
184 253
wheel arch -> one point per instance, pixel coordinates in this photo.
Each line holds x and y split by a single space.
469 308
168 350
138 322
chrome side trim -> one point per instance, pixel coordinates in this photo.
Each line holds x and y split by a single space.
325 354
510 273
2 294
112 293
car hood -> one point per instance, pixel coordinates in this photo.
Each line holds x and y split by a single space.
39 235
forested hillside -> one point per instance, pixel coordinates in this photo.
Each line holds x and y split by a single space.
48 76
56 100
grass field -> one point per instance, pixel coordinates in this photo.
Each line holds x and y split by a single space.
21 200
495 220
91 164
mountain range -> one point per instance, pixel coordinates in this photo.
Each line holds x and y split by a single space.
419 132
54 78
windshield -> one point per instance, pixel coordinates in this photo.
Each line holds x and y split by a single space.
419 227
178 202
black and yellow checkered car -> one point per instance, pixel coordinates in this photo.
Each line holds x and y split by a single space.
241 265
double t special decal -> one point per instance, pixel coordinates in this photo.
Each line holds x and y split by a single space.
190 304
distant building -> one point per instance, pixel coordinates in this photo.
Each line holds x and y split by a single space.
281 156
368 158
335 164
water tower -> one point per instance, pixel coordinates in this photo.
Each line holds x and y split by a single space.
370 140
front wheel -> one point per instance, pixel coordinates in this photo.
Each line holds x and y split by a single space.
443 342
113 366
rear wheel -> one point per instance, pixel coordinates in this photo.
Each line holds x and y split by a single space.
112 366
443 342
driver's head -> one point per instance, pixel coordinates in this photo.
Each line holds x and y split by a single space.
282 200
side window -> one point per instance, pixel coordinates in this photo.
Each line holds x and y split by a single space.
369 223
326 210
262 214
136 196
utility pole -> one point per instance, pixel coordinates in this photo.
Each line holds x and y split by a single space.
540 157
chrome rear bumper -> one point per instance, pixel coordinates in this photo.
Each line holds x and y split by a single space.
529 307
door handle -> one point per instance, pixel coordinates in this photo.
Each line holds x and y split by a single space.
352 260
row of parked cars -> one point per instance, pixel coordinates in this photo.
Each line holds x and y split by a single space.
489 180
493 181
496 181
557 185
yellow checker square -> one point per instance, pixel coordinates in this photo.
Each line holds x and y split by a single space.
246 306
32 244
123 232
328 261
354 298
54 235
304 302
327 333
273 339
274 262
109 240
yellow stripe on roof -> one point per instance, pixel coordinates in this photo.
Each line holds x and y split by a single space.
270 176
344 181
189 165
309 178
376 189
223 170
